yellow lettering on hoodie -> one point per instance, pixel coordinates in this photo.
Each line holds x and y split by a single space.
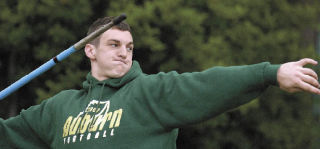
106 117
67 126
116 117
84 123
96 122
74 125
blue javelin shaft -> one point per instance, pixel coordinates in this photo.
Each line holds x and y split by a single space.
49 64
43 68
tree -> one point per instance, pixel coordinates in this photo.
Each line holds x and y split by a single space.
31 35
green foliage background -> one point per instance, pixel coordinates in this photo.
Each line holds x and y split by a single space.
182 35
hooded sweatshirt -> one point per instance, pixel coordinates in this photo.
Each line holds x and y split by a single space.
137 111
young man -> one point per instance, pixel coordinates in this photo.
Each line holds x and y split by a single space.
121 107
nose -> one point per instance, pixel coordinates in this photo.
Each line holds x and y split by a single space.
122 52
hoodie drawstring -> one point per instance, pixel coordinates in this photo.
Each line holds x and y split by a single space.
93 119
101 91
90 87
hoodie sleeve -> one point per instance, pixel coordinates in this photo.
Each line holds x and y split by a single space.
180 99
27 130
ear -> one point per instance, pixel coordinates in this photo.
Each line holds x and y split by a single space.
90 51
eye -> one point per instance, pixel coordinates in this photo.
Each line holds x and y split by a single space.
130 48
114 45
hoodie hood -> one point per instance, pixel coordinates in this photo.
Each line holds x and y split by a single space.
134 72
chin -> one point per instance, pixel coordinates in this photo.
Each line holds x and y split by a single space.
119 75
118 72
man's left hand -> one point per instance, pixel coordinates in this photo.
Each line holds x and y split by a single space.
294 77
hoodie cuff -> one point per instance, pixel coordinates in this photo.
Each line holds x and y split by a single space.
270 74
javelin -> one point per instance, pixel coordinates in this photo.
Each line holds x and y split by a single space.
64 54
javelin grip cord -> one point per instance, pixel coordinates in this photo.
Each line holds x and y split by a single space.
64 54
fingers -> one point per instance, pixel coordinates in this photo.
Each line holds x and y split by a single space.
293 77
309 88
309 72
306 61
310 80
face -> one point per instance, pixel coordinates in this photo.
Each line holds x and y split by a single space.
112 58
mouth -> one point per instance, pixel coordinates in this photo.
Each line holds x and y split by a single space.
122 61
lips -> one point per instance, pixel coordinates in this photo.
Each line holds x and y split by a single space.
120 60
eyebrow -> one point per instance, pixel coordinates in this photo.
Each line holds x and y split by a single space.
117 41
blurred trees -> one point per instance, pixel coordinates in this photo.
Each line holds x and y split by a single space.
182 35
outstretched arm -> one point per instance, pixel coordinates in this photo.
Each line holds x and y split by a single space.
30 129
293 77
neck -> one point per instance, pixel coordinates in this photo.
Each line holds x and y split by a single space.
98 77
95 73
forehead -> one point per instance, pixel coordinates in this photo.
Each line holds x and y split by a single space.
116 34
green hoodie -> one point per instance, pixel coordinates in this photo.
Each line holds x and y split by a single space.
137 111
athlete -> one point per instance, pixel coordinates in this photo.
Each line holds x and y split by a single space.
121 107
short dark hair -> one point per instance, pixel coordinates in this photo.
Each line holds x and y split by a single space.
123 26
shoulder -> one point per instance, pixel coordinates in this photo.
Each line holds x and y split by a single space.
69 93
159 75
64 97
147 80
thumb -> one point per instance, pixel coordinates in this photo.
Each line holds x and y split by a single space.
306 61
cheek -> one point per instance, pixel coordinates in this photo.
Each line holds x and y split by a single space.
130 55
104 54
